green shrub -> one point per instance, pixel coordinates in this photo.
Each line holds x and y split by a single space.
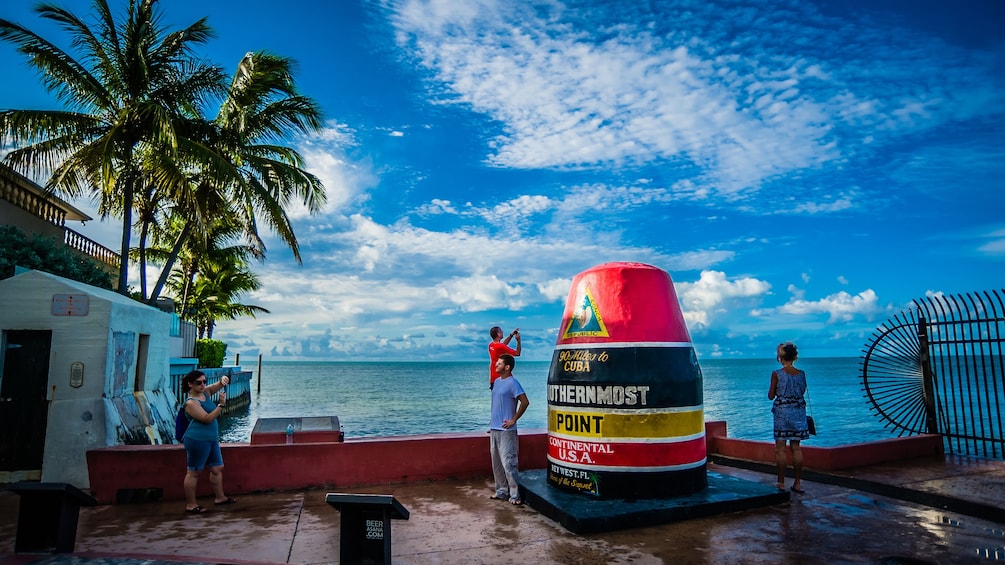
49 255
210 352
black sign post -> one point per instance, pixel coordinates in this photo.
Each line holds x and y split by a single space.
47 516
366 525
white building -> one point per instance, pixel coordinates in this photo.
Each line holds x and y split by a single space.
82 367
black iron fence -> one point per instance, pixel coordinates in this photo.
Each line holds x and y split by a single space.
940 368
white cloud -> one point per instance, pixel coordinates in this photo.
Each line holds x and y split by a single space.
569 99
832 205
482 292
840 307
995 247
626 84
345 180
437 206
517 213
400 249
580 209
796 292
713 294
362 274
335 134
699 259
555 289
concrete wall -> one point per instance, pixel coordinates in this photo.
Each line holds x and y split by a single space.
11 215
142 402
113 405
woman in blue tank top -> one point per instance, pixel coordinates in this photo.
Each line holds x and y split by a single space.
202 438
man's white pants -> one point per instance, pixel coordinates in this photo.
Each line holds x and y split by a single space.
505 448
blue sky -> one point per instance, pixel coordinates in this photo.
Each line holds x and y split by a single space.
802 169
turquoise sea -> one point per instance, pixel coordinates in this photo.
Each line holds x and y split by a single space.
389 399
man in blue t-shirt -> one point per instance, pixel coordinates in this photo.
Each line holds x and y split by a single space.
509 402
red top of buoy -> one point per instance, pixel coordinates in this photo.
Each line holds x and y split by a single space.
622 302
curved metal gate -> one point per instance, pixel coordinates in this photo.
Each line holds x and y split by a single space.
940 368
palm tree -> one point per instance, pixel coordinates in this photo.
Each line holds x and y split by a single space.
215 294
131 83
174 208
239 160
214 248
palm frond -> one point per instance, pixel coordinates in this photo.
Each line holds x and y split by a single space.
61 74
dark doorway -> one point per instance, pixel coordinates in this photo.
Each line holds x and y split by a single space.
23 404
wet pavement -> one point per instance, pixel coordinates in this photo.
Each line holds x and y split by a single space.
932 510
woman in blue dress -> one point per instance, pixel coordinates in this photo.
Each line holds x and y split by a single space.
202 438
787 390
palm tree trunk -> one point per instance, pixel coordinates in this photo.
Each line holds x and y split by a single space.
189 280
127 227
143 263
168 264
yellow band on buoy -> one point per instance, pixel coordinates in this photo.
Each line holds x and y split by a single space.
634 424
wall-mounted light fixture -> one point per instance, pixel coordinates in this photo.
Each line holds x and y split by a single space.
76 374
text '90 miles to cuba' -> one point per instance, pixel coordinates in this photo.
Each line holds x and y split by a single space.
580 361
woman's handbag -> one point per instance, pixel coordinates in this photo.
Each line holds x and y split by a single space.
811 425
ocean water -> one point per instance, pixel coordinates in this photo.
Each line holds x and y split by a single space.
390 399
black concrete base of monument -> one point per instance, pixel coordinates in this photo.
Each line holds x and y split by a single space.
582 514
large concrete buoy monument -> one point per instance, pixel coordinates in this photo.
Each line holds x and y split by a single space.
625 415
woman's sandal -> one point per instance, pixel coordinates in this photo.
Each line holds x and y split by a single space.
227 501
196 510
516 502
494 497
780 486
798 490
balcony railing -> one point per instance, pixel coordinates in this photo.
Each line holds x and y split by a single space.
47 210
89 247
27 200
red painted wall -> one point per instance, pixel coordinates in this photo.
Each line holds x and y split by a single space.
826 458
379 461
250 468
